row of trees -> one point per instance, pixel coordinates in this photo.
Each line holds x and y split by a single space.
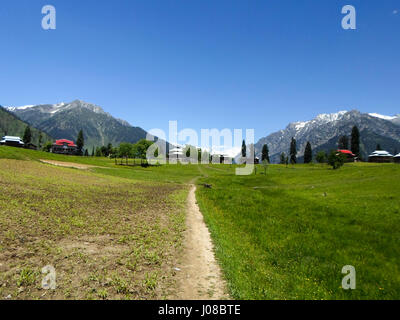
321 156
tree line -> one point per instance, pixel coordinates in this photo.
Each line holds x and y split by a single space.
333 158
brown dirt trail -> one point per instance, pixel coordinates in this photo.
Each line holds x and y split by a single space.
200 277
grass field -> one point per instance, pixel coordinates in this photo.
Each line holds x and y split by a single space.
115 232
287 235
107 237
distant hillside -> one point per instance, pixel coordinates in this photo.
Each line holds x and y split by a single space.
65 120
324 131
13 126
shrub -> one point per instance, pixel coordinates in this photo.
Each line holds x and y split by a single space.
336 159
321 157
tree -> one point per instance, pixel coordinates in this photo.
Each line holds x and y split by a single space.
98 152
27 135
125 150
109 149
265 153
93 152
343 143
139 149
321 157
283 158
378 147
265 165
80 142
308 153
244 149
86 153
40 140
336 159
47 146
355 141
104 151
293 151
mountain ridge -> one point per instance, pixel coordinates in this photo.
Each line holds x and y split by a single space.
65 120
325 128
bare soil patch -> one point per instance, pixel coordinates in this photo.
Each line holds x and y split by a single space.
68 164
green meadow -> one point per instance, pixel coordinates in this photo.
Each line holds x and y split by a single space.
285 234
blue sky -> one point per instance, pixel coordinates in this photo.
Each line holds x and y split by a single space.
206 63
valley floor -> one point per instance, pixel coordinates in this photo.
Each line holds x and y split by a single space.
115 232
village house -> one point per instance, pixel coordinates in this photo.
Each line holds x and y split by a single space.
396 158
64 146
221 158
380 156
350 156
12 141
176 154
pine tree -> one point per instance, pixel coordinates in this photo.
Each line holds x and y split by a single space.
27 135
308 153
265 153
321 157
93 152
293 151
343 143
80 142
355 141
40 140
86 153
244 149
283 158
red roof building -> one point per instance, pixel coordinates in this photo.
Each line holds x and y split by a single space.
347 152
350 156
64 146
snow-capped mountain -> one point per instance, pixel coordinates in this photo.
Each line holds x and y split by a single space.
324 131
64 120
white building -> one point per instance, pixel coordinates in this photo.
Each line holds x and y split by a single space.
12 141
380 156
176 153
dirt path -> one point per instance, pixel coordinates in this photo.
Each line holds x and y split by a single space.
199 277
68 164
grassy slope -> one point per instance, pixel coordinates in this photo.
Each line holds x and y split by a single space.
15 127
106 235
287 235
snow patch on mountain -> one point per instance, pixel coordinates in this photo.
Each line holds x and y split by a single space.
19 108
380 116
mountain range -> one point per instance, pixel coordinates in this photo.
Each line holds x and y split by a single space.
324 131
65 120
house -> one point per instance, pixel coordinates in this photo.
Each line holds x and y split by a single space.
64 146
350 156
221 158
176 154
396 158
380 156
12 141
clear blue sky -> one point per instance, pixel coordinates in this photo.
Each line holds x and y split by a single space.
206 63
